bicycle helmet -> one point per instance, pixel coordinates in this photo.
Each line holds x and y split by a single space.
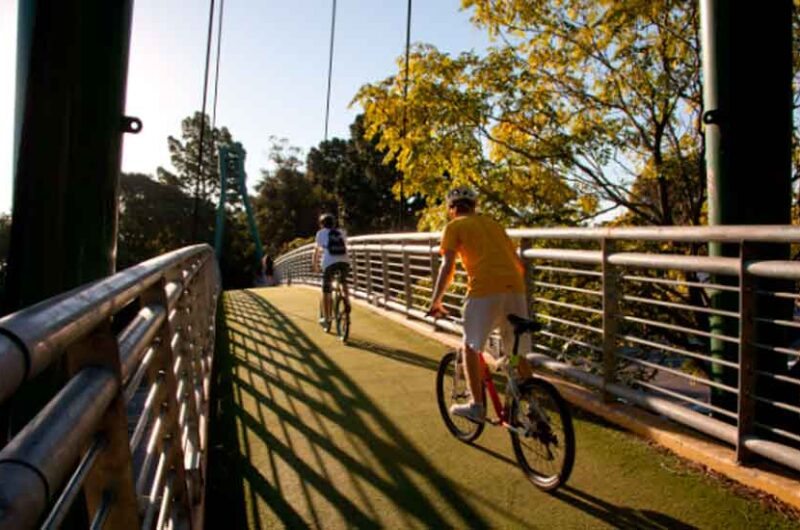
461 194
327 220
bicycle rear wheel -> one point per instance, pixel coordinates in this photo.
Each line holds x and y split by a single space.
449 390
342 318
546 450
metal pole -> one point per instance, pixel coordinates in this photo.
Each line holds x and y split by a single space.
223 178
405 100
216 69
748 128
200 148
611 289
72 66
330 70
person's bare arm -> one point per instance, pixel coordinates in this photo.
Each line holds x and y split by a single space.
443 280
315 260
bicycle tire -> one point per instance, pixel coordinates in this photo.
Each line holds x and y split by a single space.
461 428
546 435
342 318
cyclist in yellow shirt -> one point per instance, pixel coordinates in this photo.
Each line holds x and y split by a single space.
495 288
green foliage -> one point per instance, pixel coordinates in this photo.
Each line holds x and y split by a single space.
156 218
575 103
287 205
345 177
295 243
353 182
184 155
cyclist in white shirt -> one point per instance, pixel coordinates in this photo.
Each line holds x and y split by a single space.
331 242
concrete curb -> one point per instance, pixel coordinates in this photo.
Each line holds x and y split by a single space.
681 441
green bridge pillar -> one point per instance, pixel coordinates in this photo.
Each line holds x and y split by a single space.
71 75
747 72
72 64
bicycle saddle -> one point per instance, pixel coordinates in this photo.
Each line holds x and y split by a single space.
523 325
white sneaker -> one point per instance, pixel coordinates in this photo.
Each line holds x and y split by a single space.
472 411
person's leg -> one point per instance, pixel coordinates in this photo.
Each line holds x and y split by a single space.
327 279
477 325
472 372
328 302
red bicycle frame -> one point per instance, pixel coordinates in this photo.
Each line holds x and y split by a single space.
502 411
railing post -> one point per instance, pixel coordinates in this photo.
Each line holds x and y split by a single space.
610 319
110 480
747 354
385 276
525 244
407 279
435 263
189 438
354 267
166 408
370 298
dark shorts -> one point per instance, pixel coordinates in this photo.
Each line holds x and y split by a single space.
340 269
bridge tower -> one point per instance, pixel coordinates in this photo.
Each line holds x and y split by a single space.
747 95
231 169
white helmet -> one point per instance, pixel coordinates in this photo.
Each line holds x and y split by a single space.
462 193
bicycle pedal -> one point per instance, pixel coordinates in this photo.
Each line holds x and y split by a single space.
493 421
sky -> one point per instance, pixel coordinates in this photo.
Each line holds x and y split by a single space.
273 72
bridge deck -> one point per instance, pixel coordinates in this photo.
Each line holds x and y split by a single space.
311 433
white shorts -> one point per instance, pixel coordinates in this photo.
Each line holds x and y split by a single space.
484 314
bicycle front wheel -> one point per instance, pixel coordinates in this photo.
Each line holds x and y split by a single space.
342 318
452 388
544 443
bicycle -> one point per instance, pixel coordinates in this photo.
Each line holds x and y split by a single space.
536 416
340 306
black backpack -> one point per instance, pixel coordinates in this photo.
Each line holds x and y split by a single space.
336 244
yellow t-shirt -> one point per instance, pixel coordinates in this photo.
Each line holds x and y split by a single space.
487 253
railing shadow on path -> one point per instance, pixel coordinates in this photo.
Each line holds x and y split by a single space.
280 396
613 515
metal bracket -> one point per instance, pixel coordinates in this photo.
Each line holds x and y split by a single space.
712 117
131 125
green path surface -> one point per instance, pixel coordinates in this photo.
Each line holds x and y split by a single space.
309 432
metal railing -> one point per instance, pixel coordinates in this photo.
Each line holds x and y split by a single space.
128 428
632 312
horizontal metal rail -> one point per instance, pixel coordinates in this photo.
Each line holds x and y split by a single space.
658 321
79 442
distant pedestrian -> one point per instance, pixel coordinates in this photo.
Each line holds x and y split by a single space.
267 269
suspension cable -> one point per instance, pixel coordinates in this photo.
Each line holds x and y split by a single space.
216 73
405 102
202 123
330 70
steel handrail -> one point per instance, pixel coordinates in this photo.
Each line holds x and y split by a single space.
177 295
376 257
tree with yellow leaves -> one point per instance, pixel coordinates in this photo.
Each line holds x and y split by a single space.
580 106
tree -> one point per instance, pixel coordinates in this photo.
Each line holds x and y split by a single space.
354 182
575 102
184 155
155 218
287 204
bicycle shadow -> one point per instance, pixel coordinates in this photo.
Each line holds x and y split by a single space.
295 440
612 514
617 516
